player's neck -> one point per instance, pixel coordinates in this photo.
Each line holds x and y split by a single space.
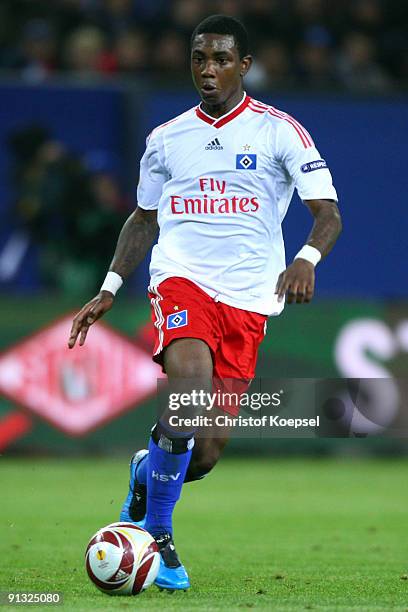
219 110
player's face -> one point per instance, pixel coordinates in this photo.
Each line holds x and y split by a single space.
217 68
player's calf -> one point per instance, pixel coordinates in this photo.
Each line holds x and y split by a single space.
206 454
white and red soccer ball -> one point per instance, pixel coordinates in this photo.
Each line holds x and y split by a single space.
122 559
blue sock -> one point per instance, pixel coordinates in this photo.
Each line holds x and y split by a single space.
165 477
141 470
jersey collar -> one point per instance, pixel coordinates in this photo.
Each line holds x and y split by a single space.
220 121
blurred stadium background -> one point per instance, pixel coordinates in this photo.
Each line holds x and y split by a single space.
82 82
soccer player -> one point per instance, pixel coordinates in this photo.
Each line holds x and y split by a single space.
216 181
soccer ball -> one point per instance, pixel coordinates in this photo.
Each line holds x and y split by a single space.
122 559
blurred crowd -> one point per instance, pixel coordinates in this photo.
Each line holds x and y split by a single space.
354 45
69 208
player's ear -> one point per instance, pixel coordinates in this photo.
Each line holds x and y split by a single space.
246 63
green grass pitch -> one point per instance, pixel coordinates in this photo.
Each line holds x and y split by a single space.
265 534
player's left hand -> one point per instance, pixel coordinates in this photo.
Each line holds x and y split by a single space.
296 282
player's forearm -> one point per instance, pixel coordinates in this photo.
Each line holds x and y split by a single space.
326 228
134 241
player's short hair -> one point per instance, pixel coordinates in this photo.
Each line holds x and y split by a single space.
221 24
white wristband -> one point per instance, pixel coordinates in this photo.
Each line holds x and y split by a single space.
310 254
112 282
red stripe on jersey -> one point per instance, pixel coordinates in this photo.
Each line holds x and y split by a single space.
256 110
260 104
217 123
301 136
167 123
288 117
232 114
164 125
201 115
304 135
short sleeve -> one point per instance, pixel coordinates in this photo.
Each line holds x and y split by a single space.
302 161
153 174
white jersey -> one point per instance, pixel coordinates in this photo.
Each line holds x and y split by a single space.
222 188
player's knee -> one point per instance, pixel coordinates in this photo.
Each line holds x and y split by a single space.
192 369
195 368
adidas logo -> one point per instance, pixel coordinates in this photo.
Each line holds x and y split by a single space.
214 145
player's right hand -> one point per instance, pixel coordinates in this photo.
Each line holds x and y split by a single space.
91 312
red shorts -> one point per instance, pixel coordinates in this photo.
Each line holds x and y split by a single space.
180 309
